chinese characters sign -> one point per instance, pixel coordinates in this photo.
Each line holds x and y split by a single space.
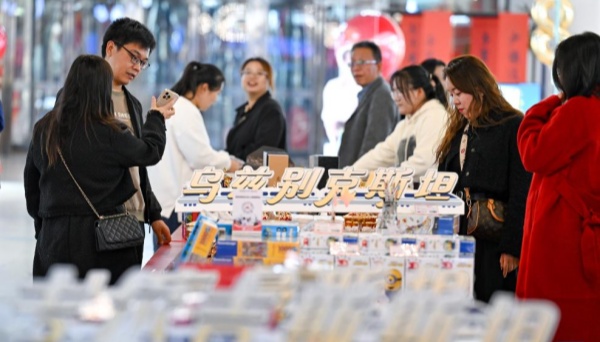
300 183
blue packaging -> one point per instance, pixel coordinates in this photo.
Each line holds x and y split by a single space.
226 248
186 253
408 241
350 239
222 261
467 247
445 225
225 226
279 231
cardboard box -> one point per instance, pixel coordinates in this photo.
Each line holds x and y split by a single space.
277 162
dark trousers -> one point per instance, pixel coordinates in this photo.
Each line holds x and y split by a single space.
72 240
488 274
172 223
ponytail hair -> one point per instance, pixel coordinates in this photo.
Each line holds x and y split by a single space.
415 77
195 74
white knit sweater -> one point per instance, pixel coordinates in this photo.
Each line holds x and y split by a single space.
413 142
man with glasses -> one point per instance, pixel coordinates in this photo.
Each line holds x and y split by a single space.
376 115
126 46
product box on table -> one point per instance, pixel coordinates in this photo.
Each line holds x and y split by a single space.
199 245
355 261
318 241
421 271
371 243
253 249
317 261
279 249
226 248
279 230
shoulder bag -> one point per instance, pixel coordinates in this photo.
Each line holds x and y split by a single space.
112 231
485 216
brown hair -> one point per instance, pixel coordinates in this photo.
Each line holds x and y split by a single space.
265 65
470 75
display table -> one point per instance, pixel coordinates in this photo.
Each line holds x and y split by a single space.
165 257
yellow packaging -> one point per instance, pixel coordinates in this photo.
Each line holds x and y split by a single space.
278 249
204 243
273 261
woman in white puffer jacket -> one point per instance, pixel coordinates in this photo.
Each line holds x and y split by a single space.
421 98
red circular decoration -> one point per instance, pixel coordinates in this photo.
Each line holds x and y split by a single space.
380 29
2 41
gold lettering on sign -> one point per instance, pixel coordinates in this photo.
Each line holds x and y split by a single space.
205 182
383 177
444 184
341 181
247 178
300 183
397 179
437 185
297 182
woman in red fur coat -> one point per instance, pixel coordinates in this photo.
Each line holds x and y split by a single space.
559 141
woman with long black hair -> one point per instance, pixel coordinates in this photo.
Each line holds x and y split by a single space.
99 150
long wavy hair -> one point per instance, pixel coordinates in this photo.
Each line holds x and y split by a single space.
470 75
85 98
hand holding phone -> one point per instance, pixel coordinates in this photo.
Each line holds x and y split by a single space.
166 96
164 103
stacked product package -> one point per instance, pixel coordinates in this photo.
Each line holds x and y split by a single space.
410 253
221 243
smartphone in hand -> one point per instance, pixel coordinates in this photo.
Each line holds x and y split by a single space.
166 96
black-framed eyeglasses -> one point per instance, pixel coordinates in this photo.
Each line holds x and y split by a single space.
135 59
361 62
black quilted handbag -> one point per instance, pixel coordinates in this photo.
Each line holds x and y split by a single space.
118 231
112 231
485 218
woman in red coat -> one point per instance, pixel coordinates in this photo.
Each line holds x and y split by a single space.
559 141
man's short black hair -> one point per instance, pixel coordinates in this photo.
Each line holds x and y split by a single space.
127 30
371 46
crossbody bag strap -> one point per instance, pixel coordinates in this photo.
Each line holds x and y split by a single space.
78 187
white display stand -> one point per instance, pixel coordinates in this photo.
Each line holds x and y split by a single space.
407 204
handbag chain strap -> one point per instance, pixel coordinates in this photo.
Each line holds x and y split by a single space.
79 187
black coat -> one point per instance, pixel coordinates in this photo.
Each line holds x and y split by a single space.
100 163
152 208
263 125
493 168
